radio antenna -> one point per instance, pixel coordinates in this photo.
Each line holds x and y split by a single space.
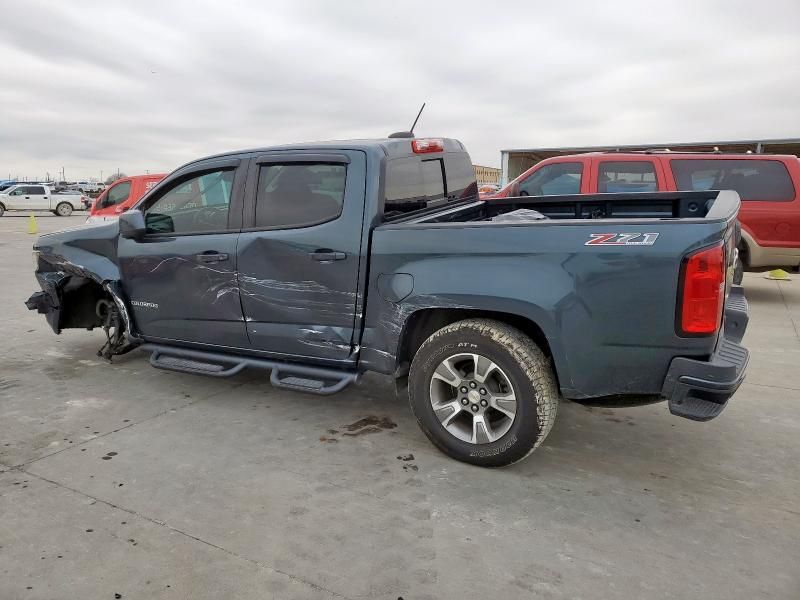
417 119
410 133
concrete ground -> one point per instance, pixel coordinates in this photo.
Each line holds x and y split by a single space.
125 481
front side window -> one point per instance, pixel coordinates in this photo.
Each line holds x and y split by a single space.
118 194
299 195
553 180
626 176
197 205
752 179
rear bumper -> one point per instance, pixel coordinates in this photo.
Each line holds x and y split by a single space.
700 390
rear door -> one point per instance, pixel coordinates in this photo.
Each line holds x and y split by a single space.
298 259
181 278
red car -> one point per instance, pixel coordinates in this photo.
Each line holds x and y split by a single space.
121 195
769 186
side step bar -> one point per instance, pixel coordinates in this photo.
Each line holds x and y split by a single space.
300 378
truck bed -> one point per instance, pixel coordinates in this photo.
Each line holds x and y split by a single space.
703 205
599 277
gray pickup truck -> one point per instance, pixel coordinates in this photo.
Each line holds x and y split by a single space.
321 261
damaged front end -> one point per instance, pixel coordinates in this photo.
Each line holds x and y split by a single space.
75 296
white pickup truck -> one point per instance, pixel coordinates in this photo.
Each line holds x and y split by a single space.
25 196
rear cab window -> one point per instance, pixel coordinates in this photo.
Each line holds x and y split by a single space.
752 179
416 182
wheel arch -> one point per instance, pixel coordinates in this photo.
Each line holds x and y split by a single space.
422 323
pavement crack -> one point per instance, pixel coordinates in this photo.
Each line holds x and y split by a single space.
186 534
124 427
788 310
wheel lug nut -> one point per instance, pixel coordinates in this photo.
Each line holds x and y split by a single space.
464 401
483 391
474 408
472 384
463 389
484 403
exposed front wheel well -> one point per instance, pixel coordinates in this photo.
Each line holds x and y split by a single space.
423 323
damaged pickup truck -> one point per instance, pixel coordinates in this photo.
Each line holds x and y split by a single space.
319 262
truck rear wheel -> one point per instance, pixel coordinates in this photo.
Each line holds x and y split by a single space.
483 392
64 209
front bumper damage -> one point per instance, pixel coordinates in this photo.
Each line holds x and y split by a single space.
699 390
48 301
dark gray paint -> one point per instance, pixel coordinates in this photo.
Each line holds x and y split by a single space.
608 313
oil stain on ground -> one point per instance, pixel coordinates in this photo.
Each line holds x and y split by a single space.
369 424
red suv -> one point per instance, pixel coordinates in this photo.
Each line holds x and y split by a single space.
769 186
121 195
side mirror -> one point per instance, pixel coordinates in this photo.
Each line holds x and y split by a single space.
132 225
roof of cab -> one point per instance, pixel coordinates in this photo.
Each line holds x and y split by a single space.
390 147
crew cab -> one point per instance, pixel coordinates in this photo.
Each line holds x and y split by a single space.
121 195
87 186
768 185
40 197
321 261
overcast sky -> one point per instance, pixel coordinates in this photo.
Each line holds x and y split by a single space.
142 85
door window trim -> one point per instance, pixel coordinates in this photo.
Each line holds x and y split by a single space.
171 182
289 158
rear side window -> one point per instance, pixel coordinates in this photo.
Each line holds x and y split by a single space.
36 190
555 179
630 176
752 179
118 194
299 195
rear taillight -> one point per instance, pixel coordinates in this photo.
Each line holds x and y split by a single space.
703 291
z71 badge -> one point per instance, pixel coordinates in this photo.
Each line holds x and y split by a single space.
622 239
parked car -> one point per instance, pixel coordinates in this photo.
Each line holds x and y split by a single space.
769 186
121 195
322 261
39 197
88 186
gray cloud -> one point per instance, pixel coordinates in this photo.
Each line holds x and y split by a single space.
147 86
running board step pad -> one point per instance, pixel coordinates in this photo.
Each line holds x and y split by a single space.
186 363
311 379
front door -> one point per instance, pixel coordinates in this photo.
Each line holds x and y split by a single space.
180 278
299 258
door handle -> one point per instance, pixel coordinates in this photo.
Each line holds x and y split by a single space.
326 255
210 256
27 197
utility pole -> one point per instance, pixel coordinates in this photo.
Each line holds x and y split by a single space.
63 177
101 175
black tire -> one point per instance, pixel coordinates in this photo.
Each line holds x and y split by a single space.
2 210
738 271
64 209
527 369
